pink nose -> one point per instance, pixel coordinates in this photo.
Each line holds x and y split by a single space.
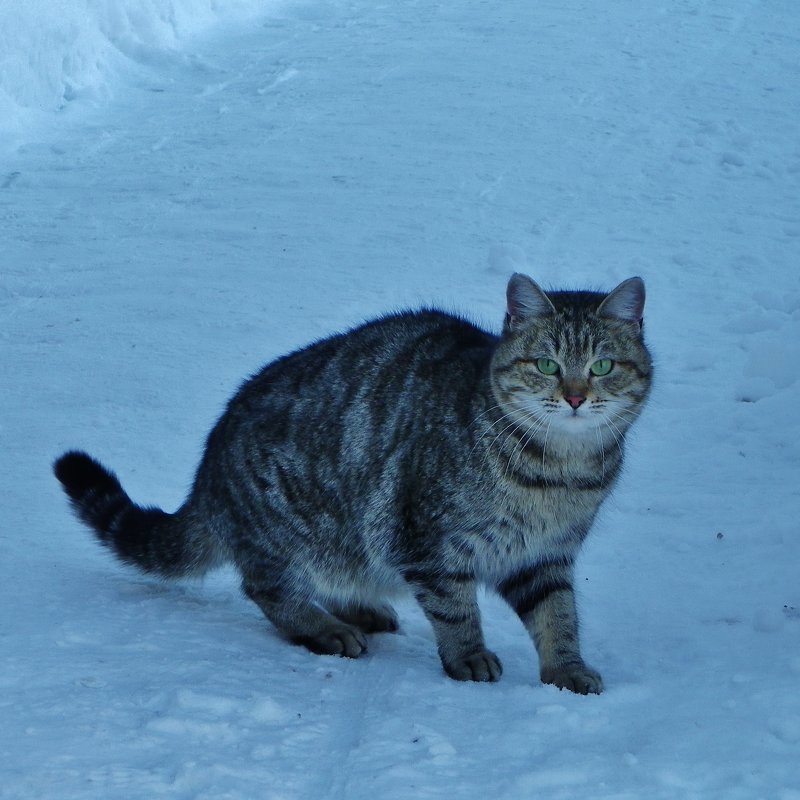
575 400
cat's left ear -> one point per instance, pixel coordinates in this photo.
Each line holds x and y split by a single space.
626 302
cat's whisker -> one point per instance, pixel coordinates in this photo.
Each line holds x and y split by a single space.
514 424
626 418
614 409
521 419
485 412
544 445
617 434
519 448
602 449
519 424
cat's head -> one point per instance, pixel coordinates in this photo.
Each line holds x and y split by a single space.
573 364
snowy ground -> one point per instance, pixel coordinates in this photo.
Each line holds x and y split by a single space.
225 199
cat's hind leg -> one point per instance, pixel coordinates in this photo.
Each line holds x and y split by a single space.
305 623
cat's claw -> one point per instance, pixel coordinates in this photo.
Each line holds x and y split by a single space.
483 666
576 678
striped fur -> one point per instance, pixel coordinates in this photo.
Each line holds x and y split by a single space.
417 452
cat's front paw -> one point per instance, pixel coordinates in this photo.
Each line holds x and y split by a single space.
576 677
482 665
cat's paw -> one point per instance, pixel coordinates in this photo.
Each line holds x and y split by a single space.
482 665
379 620
370 619
340 640
575 677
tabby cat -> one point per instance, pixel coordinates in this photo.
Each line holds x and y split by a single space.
415 452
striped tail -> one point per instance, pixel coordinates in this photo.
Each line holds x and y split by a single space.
168 545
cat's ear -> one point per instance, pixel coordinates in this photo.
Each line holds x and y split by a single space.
525 300
626 302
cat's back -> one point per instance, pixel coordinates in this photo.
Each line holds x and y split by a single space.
392 376
395 350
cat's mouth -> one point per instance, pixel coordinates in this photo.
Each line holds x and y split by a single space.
575 422
559 417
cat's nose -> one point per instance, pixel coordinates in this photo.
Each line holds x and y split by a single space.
575 400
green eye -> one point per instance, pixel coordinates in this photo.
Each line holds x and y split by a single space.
547 366
602 367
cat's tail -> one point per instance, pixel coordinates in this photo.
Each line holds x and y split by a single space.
168 545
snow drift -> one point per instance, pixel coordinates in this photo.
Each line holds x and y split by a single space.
55 51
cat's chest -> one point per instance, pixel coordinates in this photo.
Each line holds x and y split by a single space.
529 526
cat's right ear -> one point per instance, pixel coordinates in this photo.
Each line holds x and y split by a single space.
525 301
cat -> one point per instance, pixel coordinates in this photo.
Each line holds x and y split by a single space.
418 452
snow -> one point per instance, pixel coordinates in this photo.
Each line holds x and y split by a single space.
54 52
199 189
